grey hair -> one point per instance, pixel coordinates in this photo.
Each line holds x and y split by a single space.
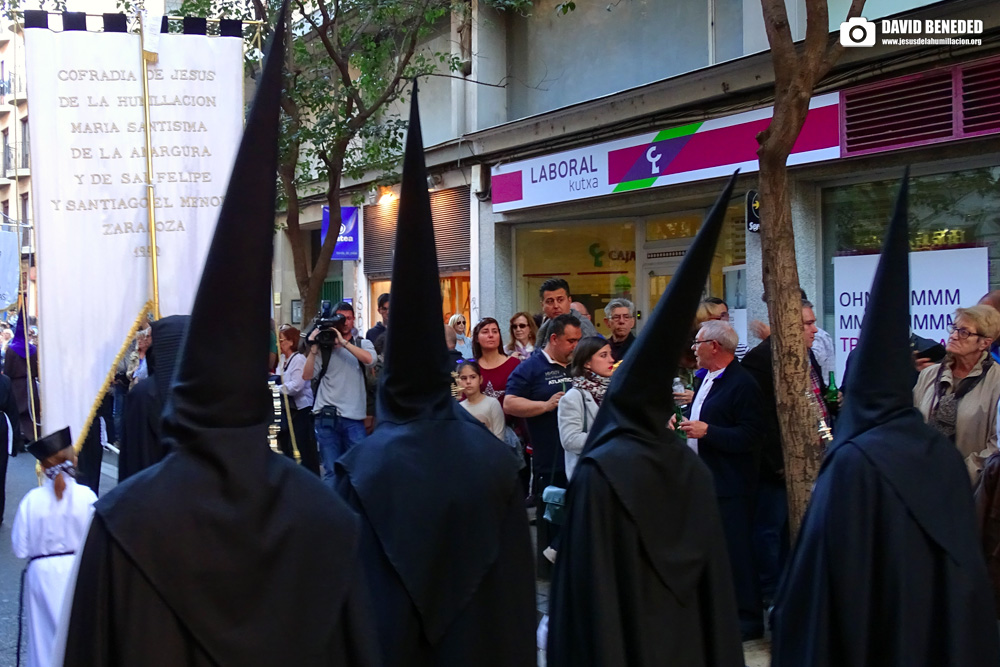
722 333
619 303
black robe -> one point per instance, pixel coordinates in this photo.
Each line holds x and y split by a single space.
445 544
141 440
886 570
228 554
642 578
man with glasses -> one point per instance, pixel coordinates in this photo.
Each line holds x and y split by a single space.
725 429
383 311
619 315
770 530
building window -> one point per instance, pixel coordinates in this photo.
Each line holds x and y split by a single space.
959 209
597 260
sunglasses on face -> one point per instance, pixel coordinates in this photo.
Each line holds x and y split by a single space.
519 326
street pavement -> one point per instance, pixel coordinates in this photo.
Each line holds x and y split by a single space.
21 478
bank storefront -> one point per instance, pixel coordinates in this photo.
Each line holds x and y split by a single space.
615 218
640 202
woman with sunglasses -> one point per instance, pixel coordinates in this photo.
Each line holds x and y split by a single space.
522 336
958 396
462 342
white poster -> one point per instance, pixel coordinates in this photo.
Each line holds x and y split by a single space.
940 282
88 154
10 267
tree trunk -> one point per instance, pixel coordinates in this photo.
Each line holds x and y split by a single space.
796 412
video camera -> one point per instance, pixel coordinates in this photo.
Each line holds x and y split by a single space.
326 321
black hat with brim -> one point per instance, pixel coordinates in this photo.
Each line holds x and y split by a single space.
51 444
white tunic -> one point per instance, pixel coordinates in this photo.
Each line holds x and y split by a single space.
44 525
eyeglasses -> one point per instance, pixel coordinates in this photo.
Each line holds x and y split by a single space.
962 332
621 318
697 342
519 326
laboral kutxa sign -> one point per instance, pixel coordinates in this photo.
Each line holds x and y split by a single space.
682 154
940 282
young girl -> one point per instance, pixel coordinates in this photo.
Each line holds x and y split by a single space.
50 526
484 408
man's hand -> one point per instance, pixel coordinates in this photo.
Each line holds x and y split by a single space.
672 424
920 363
553 402
312 336
340 337
683 397
694 429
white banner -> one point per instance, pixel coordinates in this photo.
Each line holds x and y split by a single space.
940 282
10 267
88 160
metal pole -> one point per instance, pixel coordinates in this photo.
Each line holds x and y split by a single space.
150 208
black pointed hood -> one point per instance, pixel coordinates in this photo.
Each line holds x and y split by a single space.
416 375
218 383
881 375
662 484
241 526
634 403
878 417
428 456
165 350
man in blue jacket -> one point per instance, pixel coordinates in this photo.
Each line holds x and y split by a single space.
725 429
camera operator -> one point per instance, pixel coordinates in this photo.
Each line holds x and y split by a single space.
338 361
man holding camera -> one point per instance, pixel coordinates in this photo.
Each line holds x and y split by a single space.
339 362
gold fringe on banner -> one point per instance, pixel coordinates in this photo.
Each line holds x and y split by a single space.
110 377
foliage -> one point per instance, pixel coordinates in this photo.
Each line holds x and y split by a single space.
349 67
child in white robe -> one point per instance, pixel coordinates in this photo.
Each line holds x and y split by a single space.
50 526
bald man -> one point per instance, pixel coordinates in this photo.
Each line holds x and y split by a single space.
993 299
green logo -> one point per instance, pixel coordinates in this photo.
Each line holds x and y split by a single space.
596 252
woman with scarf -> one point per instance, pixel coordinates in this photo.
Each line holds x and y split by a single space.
522 335
15 366
591 370
959 396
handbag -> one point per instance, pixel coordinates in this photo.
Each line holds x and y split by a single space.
554 497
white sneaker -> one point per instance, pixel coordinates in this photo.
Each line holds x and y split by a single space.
550 554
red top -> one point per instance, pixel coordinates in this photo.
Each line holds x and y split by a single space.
495 379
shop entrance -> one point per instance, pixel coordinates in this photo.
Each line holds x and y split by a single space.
658 277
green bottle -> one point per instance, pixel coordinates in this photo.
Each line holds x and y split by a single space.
831 390
677 424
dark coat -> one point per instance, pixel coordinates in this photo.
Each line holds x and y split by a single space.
9 407
734 412
758 362
16 368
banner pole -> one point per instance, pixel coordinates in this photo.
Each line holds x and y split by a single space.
150 207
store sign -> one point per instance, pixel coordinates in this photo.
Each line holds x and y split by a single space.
694 152
753 212
940 282
348 247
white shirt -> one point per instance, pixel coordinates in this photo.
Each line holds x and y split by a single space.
299 391
699 400
44 525
825 353
489 412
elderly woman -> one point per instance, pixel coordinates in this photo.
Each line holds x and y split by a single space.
958 396
462 342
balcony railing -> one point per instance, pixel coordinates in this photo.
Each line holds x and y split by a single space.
16 159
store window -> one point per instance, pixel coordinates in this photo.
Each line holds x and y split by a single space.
597 260
959 209
728 277
454 296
